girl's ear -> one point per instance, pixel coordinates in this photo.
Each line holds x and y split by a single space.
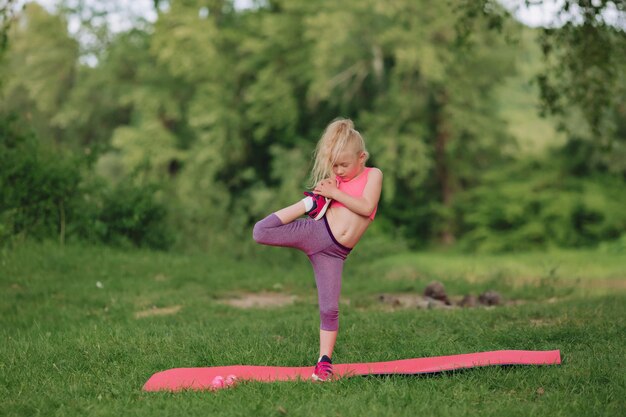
362 158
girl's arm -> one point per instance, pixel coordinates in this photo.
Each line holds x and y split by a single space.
363 205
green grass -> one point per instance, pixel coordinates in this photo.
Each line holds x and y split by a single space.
71 348
526 275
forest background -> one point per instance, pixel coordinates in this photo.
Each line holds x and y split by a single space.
181 133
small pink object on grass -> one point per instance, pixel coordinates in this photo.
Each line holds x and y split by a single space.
220 382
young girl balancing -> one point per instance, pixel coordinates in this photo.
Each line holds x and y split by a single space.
341 207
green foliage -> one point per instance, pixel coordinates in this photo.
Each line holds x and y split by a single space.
101 98
122 215
45 194
130 214
205 121
617 246
37 185
518 101
518 210
581 80
6 17
583 50
39 68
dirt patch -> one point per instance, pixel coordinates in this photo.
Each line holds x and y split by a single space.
398 301
417 301
158 311
260 300
435 296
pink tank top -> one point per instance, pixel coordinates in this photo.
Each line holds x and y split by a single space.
354 187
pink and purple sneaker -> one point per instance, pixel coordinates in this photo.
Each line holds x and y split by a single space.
323 370
320 205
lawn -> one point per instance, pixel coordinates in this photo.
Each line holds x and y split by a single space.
84 327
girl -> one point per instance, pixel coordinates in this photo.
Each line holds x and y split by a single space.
345 195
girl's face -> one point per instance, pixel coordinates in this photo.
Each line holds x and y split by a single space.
349 164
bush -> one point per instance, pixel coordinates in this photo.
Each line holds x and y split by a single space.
45 194
37 185
131 214
535 207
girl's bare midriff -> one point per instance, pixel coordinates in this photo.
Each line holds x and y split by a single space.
347 226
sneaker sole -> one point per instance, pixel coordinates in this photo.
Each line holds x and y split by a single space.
314 377
323 210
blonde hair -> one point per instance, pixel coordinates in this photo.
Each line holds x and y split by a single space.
338 135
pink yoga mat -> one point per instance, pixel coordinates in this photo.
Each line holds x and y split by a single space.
202 378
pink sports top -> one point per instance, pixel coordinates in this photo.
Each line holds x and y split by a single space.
354 187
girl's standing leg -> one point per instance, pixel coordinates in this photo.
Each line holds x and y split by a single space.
328 269
327 342
281 229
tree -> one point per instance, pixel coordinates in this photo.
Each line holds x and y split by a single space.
39 69
6 18
585 56
425 103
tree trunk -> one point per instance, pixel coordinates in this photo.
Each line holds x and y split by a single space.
61 223
441 167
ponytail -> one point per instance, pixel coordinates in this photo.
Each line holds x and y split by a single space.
337 136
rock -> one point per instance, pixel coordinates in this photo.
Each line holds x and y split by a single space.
490 298
437 291
433 303
389 299
411 301
469 301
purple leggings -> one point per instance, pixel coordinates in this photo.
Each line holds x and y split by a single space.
326 255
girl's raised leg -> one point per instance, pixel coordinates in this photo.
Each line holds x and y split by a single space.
283 228
292 212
